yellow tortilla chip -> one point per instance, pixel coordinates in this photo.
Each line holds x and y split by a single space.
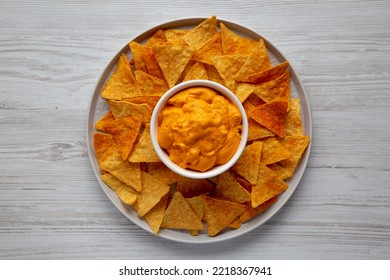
282 172
143 150
151 194
251 212
136 50
122 109
176 36
122 83
104 145
274 89
229 188
272 115
155 216
233 43
150 85
197 205
268 74
228 66
151 63
293 118
106 118
126 194
197 72
296 145
158 38
268 185
256 131
213 74
257 61
194 187
211 48
248 164
159 171
236 224
151 101
219 214
273 151
204 31
244 90
172 59
179 215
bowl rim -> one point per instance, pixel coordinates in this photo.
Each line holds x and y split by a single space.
164 157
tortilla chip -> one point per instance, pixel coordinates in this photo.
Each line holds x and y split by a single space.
172 60
268 74
243 90
122 109
126 193
268 185
296 145
136 50
251 212
256 131
274 89
150 85
282 172
213 74
228 66
228 188
159 171
233 43
143 150
204 31
273 151
179 215
151 101
236 224
152 192
106 118
176 36
158 38
151 63
124 131
293 118
248 164
122 83
219 214
104 145
197 205
197 72
257 61
155 216
272 116
211 48
194 187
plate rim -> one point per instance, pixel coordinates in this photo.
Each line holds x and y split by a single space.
165 233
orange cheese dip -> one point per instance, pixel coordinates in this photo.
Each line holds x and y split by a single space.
199 128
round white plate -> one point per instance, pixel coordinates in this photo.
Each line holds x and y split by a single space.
98 107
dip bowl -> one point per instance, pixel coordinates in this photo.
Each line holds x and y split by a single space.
164 156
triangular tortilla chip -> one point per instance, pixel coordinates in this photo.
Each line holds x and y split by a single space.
158 38
293 118
136 50
151 63
213 74
228 66
273 151
172 60
122 83
268 74
236 224
176 36
152 192
151 101
268 185
233 43
197 72
143 150
272 115
204 31
104 145
122 109
106 118
256 131
155 216
257 61
124 131
282 172
193 187
210 49
126 193
248 164
159 171
150 85
244 90
228 188
220 213
274 89
296 145
251 212
179 215
197 205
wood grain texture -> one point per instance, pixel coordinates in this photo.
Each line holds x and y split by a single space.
51 55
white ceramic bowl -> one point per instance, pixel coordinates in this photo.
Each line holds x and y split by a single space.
163 155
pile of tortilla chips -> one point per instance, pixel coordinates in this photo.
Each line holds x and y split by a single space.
129 164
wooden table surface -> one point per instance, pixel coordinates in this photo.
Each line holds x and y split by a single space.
51 55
